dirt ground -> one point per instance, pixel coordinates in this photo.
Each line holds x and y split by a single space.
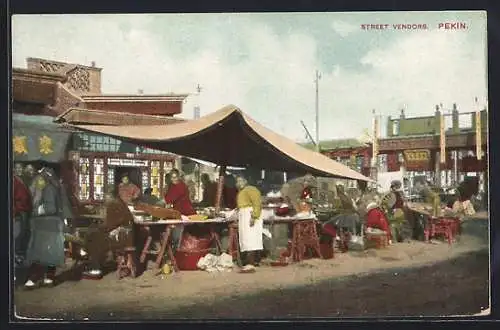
410 279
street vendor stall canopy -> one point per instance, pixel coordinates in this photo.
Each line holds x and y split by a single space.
38 138
229 137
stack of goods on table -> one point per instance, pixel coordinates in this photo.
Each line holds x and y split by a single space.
157 212
278 204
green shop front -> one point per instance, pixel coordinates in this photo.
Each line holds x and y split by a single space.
90 164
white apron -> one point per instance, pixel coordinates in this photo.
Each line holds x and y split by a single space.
250 237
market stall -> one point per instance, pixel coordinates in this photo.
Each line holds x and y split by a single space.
438 221
229 137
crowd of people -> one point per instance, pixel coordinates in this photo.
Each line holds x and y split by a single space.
42 210
42 213
364 209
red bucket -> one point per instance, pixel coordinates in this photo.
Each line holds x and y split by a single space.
187 260
326 250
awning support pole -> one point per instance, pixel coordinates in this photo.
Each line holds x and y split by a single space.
220 187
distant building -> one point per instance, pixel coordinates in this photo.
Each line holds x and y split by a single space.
350 152
414 144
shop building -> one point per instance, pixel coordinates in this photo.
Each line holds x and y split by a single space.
92 163
414 146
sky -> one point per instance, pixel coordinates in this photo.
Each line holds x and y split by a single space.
265 63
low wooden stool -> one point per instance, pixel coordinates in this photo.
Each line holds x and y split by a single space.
305 235
445 227
233 248
125 260
380 240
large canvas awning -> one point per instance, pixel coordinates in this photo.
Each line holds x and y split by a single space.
230 137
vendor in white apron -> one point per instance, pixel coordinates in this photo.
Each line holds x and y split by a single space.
250 223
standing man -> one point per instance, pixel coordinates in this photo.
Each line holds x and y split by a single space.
128 191
177 197
50 209
178 194
21 211
395 205
29 175
209 190
19 169
250 224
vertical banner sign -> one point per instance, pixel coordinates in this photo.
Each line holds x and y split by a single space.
479 142
375 140
442 135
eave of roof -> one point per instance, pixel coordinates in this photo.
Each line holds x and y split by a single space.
134 98
70 65
20 73
72 115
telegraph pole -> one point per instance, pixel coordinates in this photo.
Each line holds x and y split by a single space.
196 114
316 81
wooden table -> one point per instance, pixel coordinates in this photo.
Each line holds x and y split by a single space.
445 224
169 225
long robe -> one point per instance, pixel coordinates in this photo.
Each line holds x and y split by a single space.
209 194
22 197
21 211
98 241
229 195
249 202
46 246
178 196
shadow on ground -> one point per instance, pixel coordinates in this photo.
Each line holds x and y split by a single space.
453 287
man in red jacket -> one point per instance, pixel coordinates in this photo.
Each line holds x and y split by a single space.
178 196
21 211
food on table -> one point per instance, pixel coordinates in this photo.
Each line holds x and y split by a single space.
198 217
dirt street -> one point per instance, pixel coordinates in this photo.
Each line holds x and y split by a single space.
405 279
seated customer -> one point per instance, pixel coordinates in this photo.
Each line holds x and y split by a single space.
376 221
114 232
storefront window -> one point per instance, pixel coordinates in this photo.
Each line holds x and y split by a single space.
111 177
395 127
101 143
155 178
98 178
382 163
84 179
145 177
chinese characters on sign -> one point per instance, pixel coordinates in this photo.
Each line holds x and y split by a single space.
20 145
45 144
412 156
